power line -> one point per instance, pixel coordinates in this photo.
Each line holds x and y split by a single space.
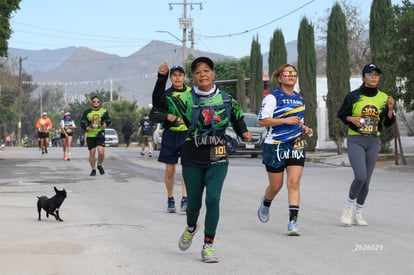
106 37
258 27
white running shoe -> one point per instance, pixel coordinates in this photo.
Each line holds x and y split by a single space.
359 220
346 219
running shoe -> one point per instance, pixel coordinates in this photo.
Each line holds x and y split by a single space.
208 255
101 170
263 212
186 238
45 150
142 154
171 205
293 229
346 219
93 173
68 159
359 220
150 154
184 203
64 157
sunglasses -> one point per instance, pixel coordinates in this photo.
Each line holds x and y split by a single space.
372 74
289 73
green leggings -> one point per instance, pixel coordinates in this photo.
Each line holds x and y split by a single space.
212 178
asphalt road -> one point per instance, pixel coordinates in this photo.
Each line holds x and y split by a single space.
117 223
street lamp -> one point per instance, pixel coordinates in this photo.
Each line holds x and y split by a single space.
171 35
182 47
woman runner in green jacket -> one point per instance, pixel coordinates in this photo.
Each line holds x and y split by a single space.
207 112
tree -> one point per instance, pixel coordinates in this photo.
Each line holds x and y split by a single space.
256 76
307 76
124 110
358 43
380 33
6 9
10 108
241 89
277 54
8 98
243 70
403 41
228 71
338 73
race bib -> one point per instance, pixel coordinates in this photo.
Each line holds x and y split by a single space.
218 152
299 144
369 127
44 129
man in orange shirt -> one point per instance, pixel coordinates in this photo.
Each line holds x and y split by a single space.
43 126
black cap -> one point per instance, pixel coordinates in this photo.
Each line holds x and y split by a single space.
370 67
203 59
177 68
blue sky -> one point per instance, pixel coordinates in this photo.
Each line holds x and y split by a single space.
123 27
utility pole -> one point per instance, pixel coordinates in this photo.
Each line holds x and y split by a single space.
19 124
192 40
186 23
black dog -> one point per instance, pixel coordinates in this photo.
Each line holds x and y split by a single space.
51 206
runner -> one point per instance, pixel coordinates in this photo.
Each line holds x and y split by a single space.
43 126
94 121
67 126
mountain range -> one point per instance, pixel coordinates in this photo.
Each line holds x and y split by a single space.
82 70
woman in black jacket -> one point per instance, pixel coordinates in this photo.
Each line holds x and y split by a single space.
365 111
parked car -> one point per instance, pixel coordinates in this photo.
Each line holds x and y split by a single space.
111 137
253 147
157 136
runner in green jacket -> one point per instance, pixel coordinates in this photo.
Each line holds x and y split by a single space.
207 112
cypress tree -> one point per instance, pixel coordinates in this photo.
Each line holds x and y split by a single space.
337 72
380 39
256 76
277 55
241 88
307 77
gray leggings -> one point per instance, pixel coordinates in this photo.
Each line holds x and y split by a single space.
363 154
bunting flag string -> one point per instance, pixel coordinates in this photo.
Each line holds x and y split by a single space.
84 83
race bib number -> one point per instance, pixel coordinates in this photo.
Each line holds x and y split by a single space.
369 128
300 144
218 152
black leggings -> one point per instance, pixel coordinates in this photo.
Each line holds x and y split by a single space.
363 154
